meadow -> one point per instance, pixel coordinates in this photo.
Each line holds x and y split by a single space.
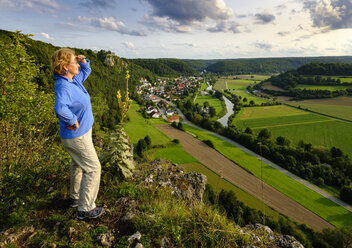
238 87
297 125
340 107
313 201
224 83
323 87
213 101
203 86
137 127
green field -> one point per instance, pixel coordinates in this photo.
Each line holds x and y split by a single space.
244 94
323 87
203 86
340 107
343 79
268 111
138 128
313 201
213 101
231 84
297 125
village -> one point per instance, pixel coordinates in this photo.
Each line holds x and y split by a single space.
158 95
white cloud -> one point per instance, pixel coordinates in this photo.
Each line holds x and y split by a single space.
47 36
330 14
166 24
225 26
110 23
263 45
128 44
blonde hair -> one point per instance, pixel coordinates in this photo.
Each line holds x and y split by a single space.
61 58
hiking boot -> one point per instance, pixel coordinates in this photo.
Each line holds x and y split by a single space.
92 214
73 203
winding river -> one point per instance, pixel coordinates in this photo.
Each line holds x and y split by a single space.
229 107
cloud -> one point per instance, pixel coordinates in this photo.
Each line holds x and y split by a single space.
283 33
41 6
299 27
238 15
128 44
7 3
166 24
184 44
263 45
226 27
280 7
330 14
105 4
47 36
264 18
110 23
188 12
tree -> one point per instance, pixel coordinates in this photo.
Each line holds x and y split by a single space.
141 147
180 126
320 182
212 111
336 152
264 134
251 102
346 193
282 141
26 114
244 99
248 130
148 140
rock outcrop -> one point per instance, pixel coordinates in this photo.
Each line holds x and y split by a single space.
190 186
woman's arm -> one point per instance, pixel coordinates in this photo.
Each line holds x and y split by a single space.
63 99
85 69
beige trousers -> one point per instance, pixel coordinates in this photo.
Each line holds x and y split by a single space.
85 170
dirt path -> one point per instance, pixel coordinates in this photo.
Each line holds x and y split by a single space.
238 176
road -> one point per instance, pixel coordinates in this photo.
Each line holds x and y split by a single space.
309 185
233 173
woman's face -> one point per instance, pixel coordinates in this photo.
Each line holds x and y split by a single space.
73 67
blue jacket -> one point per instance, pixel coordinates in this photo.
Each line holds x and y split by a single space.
72 102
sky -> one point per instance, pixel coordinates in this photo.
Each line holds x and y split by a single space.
188 29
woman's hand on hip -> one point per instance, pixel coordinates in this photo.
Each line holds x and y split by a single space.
74 126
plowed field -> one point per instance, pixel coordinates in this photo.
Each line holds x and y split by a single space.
238 176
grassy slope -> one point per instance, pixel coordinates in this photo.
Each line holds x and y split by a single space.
138 127
318 204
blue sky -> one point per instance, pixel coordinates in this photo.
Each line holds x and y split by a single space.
190 29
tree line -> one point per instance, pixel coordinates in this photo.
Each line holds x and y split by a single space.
321 166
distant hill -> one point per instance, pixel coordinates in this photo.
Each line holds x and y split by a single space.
166 67
173 67
269 65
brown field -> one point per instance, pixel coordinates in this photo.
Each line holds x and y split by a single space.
269 86
251 184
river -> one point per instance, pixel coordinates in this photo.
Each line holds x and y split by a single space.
229 106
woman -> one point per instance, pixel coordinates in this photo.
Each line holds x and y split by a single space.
74 110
